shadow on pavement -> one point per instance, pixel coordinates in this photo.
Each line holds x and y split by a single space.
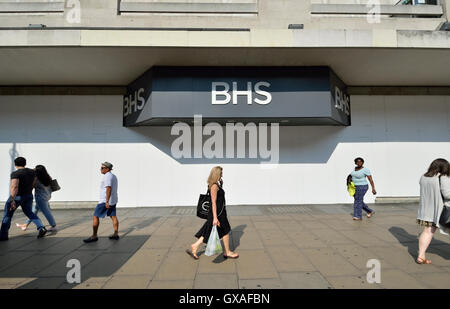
45 260
235 239
413 243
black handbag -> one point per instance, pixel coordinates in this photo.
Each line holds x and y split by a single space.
54 185
204 205
445 217
445 214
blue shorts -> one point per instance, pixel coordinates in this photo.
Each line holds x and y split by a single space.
101 211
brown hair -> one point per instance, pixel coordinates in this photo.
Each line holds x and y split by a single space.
438 166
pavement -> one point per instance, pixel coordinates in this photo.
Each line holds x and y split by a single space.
290 247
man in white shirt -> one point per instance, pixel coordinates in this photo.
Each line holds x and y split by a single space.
107 203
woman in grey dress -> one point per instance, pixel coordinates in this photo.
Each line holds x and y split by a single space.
431 204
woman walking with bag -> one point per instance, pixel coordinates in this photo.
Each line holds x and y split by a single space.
217 216
42 195
434 185
358 176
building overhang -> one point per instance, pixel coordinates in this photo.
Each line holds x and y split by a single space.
111 57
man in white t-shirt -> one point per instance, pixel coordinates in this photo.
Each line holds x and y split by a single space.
107 203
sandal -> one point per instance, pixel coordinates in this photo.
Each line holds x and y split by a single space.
191 254
371 214
231 257
423 261
357 219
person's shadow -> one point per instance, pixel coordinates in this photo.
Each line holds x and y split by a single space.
235 241
412 243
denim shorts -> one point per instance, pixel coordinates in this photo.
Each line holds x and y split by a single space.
101 211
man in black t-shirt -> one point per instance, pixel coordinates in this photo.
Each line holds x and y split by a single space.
21 194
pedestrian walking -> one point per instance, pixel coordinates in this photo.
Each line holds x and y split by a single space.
42 196
359 177
434 188
23 181
107 203
217 216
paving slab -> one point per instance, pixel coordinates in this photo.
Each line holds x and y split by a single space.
171 284
216 281
105 265
177 266
8 259
339 224
159 241
128 282
265 225
329 262
359 255
304 239
44 283
352 282
248 239
289 259
398 279
275 237
216 265
92 283
330 236
304 280
252 284
144 262
255 264
31 266
363 239
439 280
15 242
316 224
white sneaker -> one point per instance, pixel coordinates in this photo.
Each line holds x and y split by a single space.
52 229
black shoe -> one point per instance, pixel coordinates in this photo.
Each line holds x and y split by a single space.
4 239
90 239
115 237
42 232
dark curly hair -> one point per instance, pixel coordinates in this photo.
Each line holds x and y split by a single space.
359 158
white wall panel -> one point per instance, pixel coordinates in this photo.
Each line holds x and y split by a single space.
398 136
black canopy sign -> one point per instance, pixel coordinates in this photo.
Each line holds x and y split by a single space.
286 95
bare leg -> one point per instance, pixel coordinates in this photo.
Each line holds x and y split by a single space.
425 240
95 224
115 225
226 243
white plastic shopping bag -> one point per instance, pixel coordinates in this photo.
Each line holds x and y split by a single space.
214 246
